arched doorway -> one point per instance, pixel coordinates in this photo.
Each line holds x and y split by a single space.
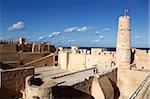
112 64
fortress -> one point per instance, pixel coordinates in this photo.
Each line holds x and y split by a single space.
41 71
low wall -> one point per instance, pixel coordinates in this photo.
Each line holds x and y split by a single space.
13 81
145 94
143 91
129 81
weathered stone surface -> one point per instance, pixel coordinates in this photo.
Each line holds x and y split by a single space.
13 81
123 52
71 85
129 81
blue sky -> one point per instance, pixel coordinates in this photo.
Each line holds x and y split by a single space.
91 23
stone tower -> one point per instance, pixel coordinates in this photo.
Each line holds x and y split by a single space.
123 49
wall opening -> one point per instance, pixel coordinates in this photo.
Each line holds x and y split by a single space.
56 58
36 81
36 97
112 64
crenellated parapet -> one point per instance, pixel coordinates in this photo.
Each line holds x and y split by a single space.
7 42
22 46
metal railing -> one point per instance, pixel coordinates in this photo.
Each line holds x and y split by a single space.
135 94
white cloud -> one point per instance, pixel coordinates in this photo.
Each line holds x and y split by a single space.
82 29
106 29
97 32
96 40
77 29
17 26
70 41
54 34
137 37
49 35
41 37
72 29
101 36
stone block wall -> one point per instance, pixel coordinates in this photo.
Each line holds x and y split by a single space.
142 59
4 48
21 58
44 61
108 84
13 81
84 86
29 56
80 61
129 81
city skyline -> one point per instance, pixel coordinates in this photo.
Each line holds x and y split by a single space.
87 23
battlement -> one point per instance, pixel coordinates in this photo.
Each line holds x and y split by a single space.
93 51
22 46
124 17
8 42
140 51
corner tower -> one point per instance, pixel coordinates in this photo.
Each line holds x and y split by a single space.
123 49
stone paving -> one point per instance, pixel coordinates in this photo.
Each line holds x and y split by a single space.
68 78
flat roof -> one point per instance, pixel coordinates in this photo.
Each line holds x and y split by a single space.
66 78
80 76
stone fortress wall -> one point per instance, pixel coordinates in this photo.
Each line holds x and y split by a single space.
24 57
69 59
22 46
79 59
142 59
4 48
15 60
15 54
48 60
128 79
12 82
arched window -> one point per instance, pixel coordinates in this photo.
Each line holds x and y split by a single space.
112 64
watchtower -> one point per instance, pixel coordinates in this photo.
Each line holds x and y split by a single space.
123 49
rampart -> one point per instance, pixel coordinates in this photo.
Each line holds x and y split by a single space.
85 59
